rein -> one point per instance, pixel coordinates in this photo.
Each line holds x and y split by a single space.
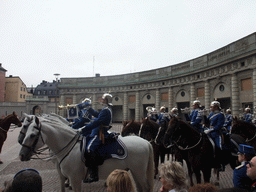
3 130
248 140
188 148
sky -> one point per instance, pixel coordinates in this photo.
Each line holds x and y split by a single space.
79 38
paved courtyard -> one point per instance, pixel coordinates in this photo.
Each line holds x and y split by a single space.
47 170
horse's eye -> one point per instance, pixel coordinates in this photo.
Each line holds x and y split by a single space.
32 136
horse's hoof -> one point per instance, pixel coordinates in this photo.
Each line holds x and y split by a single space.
1 162
217 183
70 188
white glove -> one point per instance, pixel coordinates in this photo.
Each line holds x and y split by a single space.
208 131
80 129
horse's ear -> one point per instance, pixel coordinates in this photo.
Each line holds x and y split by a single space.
37 120
14 113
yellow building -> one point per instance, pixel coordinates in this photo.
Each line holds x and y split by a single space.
15 90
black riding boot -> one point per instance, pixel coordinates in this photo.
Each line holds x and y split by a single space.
92 168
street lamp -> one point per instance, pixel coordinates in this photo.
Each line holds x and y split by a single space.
56 76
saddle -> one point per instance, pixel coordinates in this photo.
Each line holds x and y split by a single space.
113 147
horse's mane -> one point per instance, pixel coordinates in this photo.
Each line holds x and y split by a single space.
130 128
241 126
56 123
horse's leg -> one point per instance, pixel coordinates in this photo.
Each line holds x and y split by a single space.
190 173
217 172
198 176
62 178
162 153
156 157
207 174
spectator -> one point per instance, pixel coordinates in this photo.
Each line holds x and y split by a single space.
173 177
27 180
240 179
251 172
120 181
206 187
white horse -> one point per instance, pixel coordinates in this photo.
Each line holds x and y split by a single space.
63 142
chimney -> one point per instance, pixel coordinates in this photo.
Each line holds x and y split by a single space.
97 75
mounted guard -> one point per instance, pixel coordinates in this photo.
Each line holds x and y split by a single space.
216 119
84 116
196 116
97 131
163 115
228 120
248 115
152 113
174 112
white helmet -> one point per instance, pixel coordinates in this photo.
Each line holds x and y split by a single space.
215 103
196 102
174 109
108 97
162 108
228 110
247 108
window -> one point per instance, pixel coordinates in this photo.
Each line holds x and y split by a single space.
69 100
21 96
182 93
200 92
39 92
132 98
45 92
246 84
148 97
164 97
221 88
116 98
24 89
21 88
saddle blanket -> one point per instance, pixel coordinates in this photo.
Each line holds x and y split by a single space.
113 148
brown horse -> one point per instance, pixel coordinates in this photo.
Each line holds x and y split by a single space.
130 128
246 130
5 125
198 150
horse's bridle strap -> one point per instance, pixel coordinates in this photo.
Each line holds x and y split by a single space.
3 129
187 148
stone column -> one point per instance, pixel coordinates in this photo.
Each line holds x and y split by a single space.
235 95
170 99
94 101
137 106
192 93
157 100
74 99
254 88
62 102
125 107
207 93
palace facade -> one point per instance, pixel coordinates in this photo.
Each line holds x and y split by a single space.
228 74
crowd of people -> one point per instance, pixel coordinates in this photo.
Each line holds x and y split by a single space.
173 178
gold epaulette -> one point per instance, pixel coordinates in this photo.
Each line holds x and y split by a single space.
239 167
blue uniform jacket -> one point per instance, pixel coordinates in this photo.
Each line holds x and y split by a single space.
240 179
101 118
217 120
248 117
229 119
84 117
195 118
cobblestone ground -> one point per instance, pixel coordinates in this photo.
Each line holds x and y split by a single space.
49 174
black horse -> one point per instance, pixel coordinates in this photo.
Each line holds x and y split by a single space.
246 130
198 151
148 130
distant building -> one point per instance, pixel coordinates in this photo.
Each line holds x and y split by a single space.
48 89
2 83
15 90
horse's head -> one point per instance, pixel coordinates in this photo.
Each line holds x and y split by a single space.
130 127
161 132
173 132
31 141
242 128
27 121
148 129
13 118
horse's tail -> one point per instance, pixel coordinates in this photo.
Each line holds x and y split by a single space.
150 169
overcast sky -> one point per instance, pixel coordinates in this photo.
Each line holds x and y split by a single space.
41 37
